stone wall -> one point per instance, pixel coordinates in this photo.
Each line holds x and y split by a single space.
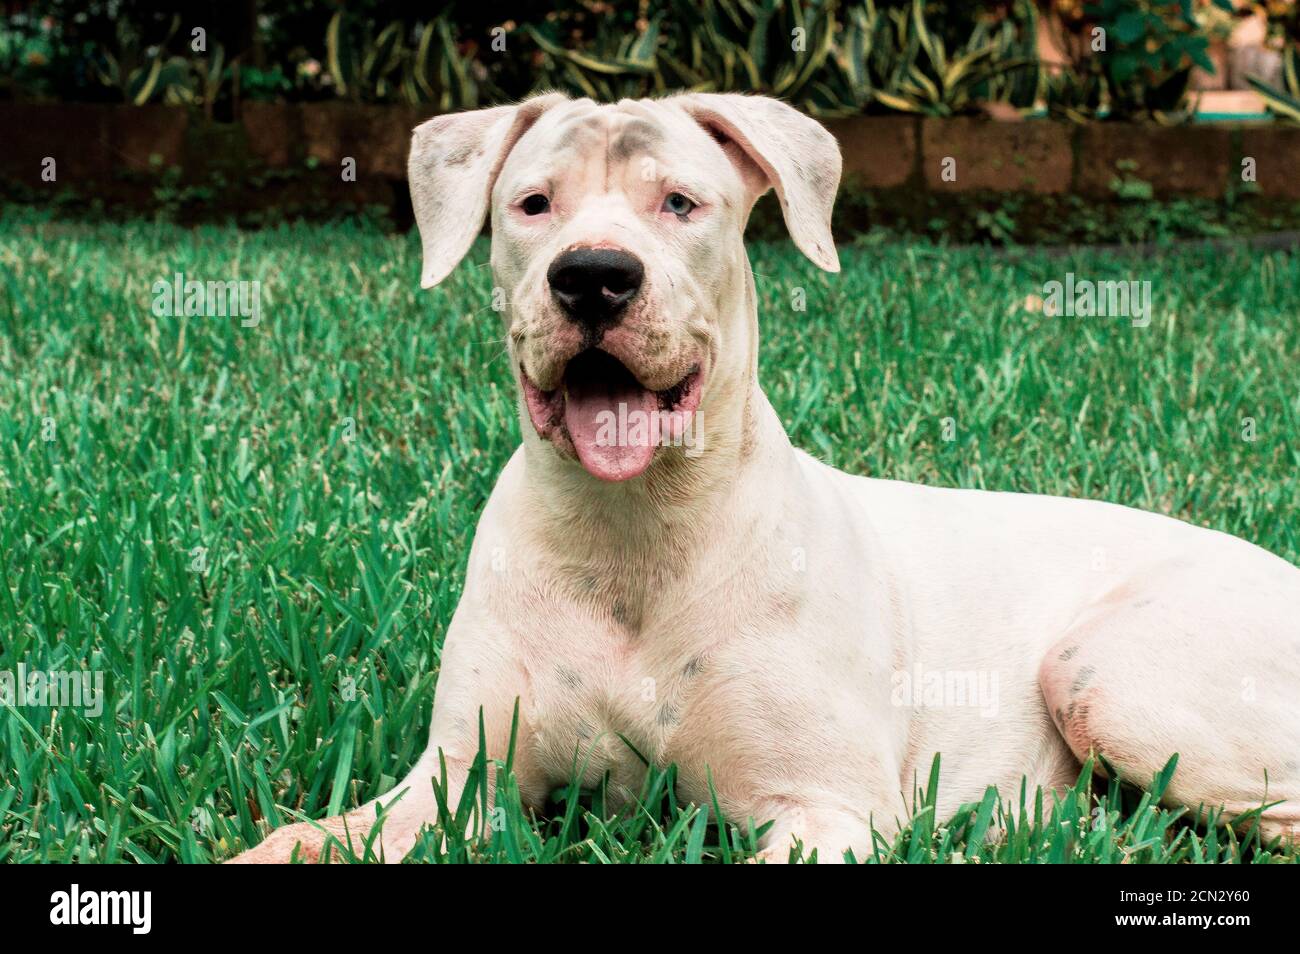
286 155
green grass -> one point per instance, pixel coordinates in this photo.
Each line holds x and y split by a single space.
294 674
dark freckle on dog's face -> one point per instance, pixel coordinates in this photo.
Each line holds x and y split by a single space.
463 155
1141 603
693 668
580 137
585 731
636 138
568 677
1082 678
667 715
1068 654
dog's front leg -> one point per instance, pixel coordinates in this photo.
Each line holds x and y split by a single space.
476 678
828 829
406 809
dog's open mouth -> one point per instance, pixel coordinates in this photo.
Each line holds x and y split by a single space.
613 422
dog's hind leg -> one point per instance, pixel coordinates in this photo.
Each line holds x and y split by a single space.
1205 666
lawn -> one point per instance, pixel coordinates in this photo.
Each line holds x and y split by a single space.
258 534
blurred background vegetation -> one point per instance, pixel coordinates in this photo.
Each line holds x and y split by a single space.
830 57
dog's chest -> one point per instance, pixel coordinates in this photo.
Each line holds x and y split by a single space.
602 711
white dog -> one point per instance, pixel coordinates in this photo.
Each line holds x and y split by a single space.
807 638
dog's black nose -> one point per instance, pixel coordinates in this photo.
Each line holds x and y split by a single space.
594 285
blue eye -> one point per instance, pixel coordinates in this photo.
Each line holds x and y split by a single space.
535 204
678 204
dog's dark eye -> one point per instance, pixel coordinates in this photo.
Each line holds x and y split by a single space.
535 204
678 204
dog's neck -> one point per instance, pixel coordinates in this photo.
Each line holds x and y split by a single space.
640 544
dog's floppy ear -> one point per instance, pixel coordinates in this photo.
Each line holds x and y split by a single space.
453 165
798 157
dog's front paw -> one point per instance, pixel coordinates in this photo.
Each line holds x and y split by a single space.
279 847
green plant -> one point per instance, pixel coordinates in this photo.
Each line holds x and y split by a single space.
1077 92
1283 103
1150 49
776 47
439 73
27 48
381 66
801 52
1128 187
263 84
615 65
362 65
1015 37
1130 59
198 81
896 59
138 72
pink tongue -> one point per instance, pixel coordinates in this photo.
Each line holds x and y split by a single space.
615 430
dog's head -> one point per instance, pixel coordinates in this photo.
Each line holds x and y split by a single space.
617 247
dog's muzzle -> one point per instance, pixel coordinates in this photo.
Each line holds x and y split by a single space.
599 410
